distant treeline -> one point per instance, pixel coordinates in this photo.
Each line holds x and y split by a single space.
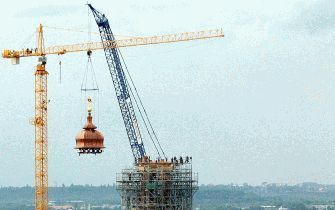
246 196
87 193
207 197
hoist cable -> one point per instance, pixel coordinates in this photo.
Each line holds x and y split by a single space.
145 124
141 103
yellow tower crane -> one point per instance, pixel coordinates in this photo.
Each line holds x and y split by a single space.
40 120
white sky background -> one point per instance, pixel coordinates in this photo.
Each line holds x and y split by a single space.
257 105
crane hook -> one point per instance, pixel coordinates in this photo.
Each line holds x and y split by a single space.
60 71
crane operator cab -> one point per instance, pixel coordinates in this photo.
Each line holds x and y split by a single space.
89 140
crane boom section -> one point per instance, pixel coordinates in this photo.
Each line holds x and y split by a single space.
120 84
136 41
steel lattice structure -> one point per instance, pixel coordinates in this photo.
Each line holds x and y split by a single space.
41 138
120 84
136 41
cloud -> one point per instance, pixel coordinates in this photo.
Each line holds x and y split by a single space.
48 10
315 17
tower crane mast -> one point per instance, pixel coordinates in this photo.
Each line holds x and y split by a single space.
40 122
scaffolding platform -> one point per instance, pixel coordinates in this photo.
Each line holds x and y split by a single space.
158 185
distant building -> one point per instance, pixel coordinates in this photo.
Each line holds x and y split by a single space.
282 208
322 207
65 207
269 207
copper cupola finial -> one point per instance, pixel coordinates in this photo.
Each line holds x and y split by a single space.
89 140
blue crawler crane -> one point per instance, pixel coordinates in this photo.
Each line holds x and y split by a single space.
159 184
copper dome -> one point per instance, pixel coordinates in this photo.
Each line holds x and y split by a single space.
89 140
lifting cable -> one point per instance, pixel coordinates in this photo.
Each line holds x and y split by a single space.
89 67
60 70
83 31
142 106
89 85
139 110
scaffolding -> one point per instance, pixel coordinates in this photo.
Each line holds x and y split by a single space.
158 185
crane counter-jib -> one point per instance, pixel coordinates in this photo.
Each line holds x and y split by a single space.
137 41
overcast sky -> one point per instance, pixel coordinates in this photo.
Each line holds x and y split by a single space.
257 105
